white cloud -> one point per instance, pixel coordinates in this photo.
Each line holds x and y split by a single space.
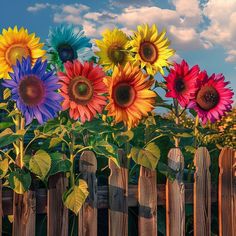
38 6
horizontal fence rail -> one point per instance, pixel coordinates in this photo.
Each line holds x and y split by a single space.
119 195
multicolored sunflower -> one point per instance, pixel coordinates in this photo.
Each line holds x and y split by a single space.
212 98
130 97
151 49
181 82
83 90
16 44
67 45
34 90
113 49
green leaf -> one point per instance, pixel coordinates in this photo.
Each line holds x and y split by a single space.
6 93
75 197
3 105
3 167
20 181
124 137
59 164
190 149
147 157
8 137
4 125
166 170
13 113
54 142
40 164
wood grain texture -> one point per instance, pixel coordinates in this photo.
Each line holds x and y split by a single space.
87 217
1 210
227 193
175 196
24 213
118 197
202 193
147 198
57 214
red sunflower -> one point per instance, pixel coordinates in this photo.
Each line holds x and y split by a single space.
83 90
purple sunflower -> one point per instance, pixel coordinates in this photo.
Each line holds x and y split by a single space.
34 90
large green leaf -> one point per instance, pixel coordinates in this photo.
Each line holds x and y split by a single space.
75 197
59 163
19 181
8 137
147 157
40 164
123 137
3 167
54 142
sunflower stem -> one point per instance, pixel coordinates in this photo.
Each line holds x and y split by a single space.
176 106
196 129
72 136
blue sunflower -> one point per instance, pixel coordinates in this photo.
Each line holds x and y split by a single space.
67 45
34 90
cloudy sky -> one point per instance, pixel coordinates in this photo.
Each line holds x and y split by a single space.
202 31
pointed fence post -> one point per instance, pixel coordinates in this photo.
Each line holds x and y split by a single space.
175 196
147 198
202 193
87 217
227 192
118 197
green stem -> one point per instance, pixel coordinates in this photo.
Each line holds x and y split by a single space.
82 149
72 137
196 129
176 106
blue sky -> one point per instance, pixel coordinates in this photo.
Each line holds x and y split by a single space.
202 32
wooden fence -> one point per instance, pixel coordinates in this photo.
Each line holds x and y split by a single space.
118 196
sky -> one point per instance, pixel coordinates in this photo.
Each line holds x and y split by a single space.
202 32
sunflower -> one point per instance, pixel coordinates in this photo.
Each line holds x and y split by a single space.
212 99
113 49
83 89
150 49
16 44
181 82
67 45
34 90
130 97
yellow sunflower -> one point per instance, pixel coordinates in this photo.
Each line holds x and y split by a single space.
130 97
16 44
113 49
151 49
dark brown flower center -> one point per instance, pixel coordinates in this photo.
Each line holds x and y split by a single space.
207 98
80 90
31 90
116 54
66 53
124 95
148 52
179 85
16 52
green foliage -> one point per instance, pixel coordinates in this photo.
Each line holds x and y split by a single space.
8 137
4 164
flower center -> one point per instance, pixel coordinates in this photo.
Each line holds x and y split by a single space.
80 90
31 90
179 85
116 54
124 95
16 52
66 53
148 52
207 98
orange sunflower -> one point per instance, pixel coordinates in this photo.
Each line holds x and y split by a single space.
130 97
83 90
16 44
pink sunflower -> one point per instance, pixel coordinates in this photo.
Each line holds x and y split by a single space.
181 82
212 98
83 90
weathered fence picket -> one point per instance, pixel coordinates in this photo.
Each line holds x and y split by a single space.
202 193
147 198
175 196
118 197
87 217
57 213
227 193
